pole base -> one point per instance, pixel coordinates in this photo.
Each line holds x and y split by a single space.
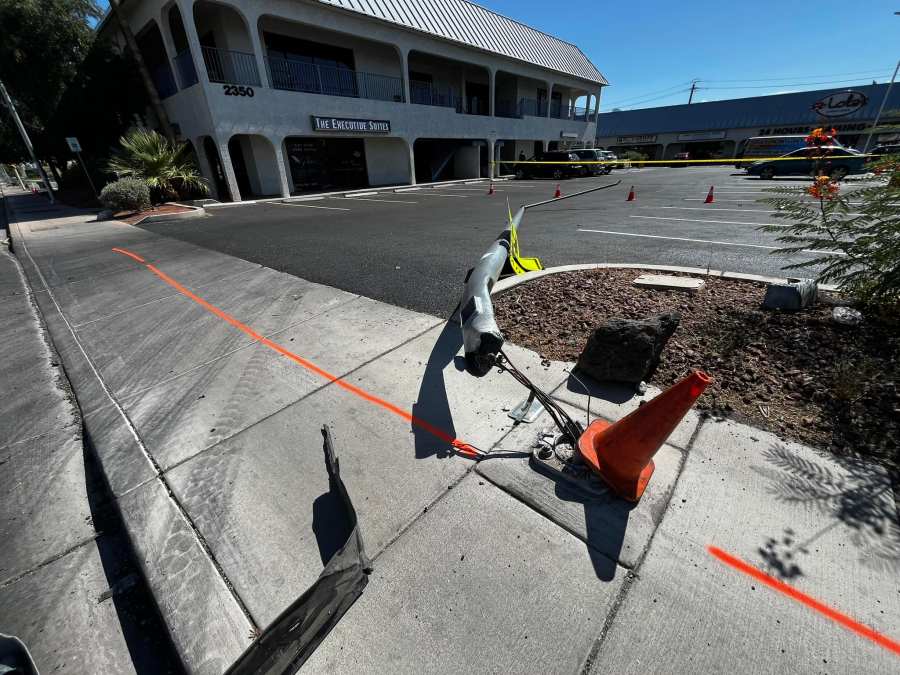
627 487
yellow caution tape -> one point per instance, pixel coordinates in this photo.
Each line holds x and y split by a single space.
519 264
731 160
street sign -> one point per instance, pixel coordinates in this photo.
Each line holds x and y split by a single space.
74 145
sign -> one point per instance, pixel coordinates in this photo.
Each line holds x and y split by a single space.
351 125
74 145
840 103
568 134
805 129
702 136
634 140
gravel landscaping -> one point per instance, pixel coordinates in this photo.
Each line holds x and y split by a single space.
797 374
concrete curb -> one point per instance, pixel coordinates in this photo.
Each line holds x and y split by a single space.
511 282
195 212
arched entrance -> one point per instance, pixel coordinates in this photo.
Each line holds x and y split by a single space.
219 181
255 166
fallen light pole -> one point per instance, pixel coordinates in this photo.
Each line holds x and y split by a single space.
481 335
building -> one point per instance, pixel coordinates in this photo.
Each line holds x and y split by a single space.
719 128
279 97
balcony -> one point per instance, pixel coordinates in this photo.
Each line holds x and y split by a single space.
184 66
227 66
425 93
293 75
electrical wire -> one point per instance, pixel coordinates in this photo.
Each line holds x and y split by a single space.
628 100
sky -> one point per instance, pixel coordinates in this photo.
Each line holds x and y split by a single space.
651 50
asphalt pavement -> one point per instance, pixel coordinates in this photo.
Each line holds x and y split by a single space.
413 248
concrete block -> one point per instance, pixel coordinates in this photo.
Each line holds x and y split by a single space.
481 583
612 528
45 508
57 612
794 295
208 628
824 525
665 282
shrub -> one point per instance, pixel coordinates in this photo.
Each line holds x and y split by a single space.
126 194
165 166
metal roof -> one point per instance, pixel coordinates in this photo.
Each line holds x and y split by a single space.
473 25
757 111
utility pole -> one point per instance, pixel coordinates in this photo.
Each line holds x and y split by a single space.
881 108
15 115
155 103
693 89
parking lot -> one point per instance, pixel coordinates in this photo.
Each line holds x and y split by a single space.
412 248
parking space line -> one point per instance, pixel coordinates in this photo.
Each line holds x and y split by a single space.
423 193
703 241
367 199
706 209
702 199
717 222
470 189
312 206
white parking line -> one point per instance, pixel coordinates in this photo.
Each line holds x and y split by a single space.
702 241
367 199
717 222
311 206
707 209
484 191
423 193
701 199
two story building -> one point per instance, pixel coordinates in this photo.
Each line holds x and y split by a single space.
282 97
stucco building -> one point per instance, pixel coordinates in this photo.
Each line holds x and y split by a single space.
279 97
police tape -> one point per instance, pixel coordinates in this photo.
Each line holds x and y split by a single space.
730 160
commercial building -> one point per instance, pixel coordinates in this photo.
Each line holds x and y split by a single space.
279 97
719 128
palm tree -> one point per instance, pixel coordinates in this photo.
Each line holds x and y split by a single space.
162 164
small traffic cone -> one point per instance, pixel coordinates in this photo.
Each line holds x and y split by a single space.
558 193
622 453
709 196
630 195
491 189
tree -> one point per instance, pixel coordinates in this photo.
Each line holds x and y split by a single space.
44 43
160 163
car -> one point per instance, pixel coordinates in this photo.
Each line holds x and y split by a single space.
594 155
837 162
683 158
563 165
879 151
610 156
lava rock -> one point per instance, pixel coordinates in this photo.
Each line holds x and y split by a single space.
846 316
627 350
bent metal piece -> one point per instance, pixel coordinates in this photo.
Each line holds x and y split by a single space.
481 335
291 639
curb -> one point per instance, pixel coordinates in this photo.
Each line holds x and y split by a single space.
195 212
511 282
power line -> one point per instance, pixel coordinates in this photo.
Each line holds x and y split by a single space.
816 77
795 84
628 100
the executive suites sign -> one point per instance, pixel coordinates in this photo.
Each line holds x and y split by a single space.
351 125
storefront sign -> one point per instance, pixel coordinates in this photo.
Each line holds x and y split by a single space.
840 103
634 140
702 136
805 129
568 134
350 125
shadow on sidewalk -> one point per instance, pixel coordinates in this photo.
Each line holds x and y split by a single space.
432 404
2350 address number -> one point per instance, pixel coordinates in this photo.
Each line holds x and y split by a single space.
234 90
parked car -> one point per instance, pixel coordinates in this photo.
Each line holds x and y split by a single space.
683 157
594 155
570 169
880 151
610 156
838 162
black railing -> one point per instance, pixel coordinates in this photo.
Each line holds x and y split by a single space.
315 79
425 93
230 67
530 107
164 81
184 66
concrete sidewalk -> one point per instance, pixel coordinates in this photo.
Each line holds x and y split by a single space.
63 575
208 436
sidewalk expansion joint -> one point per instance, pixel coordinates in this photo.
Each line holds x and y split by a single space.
49 561
201 542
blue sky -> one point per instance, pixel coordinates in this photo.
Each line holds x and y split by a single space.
652 49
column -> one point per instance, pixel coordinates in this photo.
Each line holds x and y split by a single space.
491 151
404 65
258 51
205 167
190 28
410 143
282 172
225 158
492 85
462 89
549 98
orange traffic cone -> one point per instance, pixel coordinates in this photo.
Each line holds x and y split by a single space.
622 453
630 195
491 189
709 196
558 193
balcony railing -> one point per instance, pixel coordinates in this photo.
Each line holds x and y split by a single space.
184 66
315 79
164 81
530 107
230 67
425 93
583 115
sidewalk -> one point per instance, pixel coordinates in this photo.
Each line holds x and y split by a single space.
204 380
